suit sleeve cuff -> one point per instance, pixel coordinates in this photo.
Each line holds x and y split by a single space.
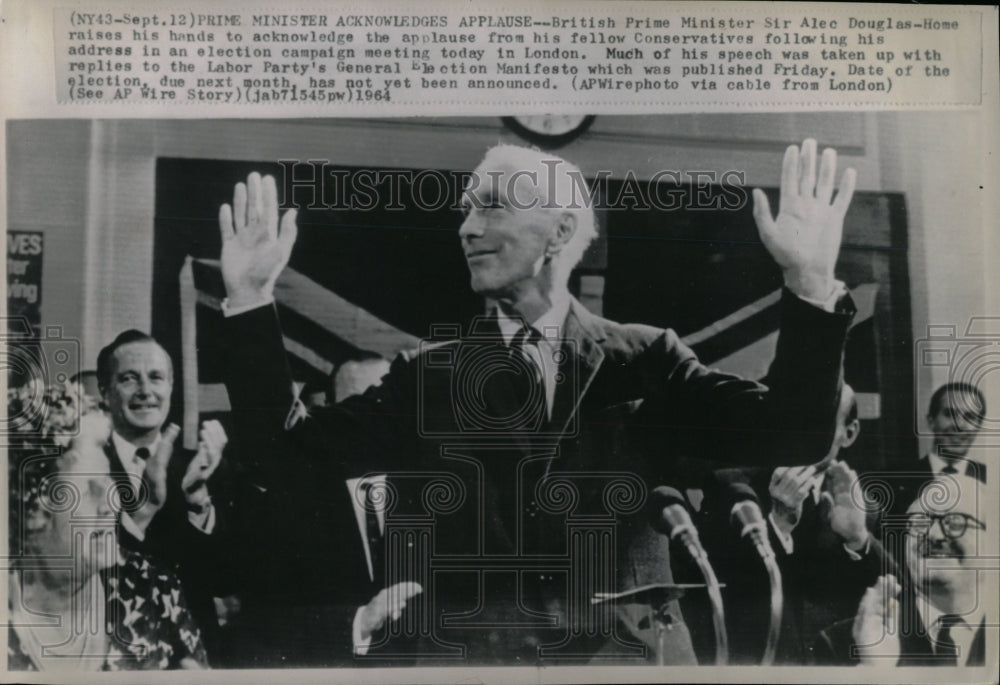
132 527
361 644
830 303
786 540
228 311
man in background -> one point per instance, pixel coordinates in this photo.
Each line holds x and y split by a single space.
819 536
312 563
955 416
168 509
936 613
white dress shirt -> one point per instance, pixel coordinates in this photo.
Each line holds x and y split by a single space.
358 503
963 632
361 644
135 467
550 326
938 463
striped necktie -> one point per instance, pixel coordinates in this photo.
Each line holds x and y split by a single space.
530 383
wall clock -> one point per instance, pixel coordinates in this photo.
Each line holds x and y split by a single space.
549 130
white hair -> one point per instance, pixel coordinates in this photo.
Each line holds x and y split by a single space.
567 193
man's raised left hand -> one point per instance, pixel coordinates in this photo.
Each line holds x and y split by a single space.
805 237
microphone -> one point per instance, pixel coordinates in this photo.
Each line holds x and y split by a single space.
672 519
747 518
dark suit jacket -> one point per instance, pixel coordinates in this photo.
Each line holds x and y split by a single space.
203 562
834 645
634 401
302 575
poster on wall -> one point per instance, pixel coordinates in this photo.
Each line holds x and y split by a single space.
24 281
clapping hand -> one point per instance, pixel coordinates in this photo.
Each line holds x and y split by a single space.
254 251
154 476
212 440
876 625
845 517
805 237
788 489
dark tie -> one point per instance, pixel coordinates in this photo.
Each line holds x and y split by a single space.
142 453
949 468
372 532
945 644
530 388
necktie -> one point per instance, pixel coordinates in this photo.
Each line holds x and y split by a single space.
949 468
142 453
375 546
530 385
945 644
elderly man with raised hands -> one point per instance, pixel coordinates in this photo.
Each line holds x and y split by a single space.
536 400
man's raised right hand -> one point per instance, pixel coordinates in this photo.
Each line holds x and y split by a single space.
254 251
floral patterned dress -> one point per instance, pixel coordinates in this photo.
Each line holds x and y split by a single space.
148 623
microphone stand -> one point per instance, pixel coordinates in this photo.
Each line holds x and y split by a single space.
718 614
689 536
777 602
675 520
758 534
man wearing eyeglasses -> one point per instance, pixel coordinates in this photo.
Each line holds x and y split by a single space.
937 614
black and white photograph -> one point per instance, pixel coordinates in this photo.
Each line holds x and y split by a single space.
553 396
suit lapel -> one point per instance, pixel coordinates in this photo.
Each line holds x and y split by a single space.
925 465
127 494
977 650
975 470
116 462
584 355
120 476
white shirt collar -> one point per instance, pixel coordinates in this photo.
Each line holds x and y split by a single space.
962 633
816 487
126 452
937 462
550 324
358 503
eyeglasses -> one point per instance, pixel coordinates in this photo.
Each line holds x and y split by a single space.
953 524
